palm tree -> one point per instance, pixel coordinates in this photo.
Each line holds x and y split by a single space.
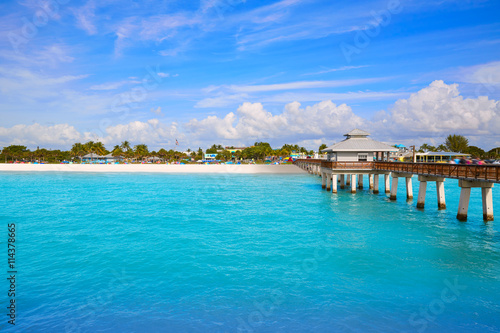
442 147
78 150
141 151
117 151
162 153
425 148
125 146
89 146
323 146
457 143
99 148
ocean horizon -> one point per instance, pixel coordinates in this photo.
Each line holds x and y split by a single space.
148 252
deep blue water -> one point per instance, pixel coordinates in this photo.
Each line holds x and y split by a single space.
229 253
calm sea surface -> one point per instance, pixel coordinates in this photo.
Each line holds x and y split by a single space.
248 253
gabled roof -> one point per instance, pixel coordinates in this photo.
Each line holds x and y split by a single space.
357 132
357 141
359 144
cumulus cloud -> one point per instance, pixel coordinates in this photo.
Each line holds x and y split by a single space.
36 134
439 109
426 116
151 132
252 121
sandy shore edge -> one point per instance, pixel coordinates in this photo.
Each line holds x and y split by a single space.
158 168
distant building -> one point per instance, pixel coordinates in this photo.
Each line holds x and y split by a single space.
439 156
401 154
209 157
358 147
94 158
233 150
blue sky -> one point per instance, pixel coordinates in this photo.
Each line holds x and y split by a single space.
235 72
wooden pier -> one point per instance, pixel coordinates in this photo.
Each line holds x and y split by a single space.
469 176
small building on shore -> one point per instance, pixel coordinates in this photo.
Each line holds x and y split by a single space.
357 147
95 158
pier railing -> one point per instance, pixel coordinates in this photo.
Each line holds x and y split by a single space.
348 165
459 171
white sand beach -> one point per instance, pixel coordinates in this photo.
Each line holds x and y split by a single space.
159 168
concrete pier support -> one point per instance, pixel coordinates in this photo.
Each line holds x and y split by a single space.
348 180
370 181
323 180
353 183
409 188
486 191
421 194
463 204
376 184
487 195
439 189
440 194
334 183
394 188
342 181
360 181
387 181
409 185
328 181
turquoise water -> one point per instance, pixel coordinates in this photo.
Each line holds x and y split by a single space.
243 253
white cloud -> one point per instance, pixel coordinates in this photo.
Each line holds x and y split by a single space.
36 134
343 68
151 132
439 110
485 74
156 111
225 95
85 16
428 115
109 85
349 96
303 85
252 121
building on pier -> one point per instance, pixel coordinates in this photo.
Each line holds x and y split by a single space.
357 147
439 156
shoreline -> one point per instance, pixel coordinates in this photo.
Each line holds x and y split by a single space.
156 168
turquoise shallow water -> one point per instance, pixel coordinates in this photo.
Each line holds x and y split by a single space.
229 253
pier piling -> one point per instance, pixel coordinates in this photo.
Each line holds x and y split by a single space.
376 184
334 183
344 173
394 188
421 194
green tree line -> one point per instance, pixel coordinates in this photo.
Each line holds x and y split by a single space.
139 152
460 144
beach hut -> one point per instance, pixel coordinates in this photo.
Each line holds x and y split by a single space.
358 147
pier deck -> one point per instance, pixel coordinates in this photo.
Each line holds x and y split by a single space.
469 176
